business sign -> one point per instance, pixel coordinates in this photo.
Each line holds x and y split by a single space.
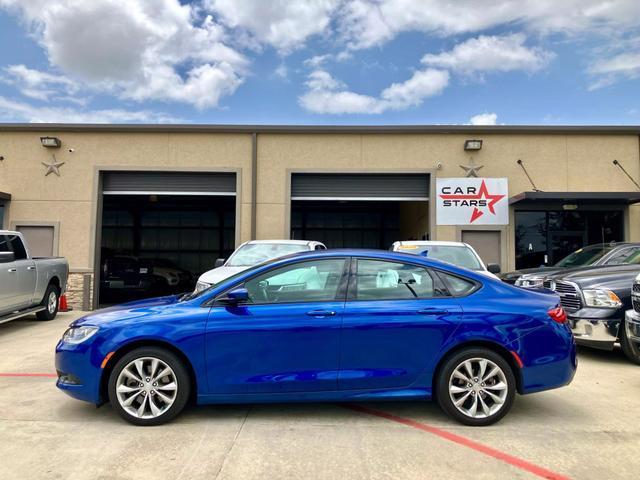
472 201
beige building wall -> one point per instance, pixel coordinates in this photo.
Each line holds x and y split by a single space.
555 161
70 199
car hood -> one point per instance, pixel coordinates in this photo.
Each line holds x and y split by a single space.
128 311
218 274
608 277
513 275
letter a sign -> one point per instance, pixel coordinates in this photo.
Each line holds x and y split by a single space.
472 201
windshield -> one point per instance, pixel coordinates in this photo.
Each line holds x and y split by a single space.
254 253
585 256
456 254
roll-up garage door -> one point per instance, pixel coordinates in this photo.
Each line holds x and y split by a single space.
329 186
168 183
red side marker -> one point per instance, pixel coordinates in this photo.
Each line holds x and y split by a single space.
465 442
48 375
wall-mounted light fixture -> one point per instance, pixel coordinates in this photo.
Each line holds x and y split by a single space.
50 142
472 144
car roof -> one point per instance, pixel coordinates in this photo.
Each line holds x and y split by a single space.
283 242
8 232
436 243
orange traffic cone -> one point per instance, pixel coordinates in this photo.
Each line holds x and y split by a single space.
63 307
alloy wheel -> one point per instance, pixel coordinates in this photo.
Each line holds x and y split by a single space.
146 387
478 388
52 302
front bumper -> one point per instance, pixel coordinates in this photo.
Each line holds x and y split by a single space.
78 371
596 327
632 325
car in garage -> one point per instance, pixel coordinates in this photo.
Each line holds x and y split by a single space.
252 253
596 255
29 284
456 253
334 325
596 300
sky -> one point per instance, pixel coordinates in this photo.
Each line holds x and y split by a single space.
485 62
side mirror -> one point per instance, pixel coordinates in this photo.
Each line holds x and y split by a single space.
493 268
219 262
235 296
6 257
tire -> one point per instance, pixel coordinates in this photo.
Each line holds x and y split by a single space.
629 348
176 386
480 393
50 303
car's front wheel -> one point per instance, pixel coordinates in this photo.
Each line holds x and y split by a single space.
630 348
476 386
149 386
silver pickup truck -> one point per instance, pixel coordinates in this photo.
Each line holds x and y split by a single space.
28 285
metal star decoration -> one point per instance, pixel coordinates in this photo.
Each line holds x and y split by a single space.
53 167
472 169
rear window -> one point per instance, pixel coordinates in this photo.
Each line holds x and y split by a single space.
19 251
458 286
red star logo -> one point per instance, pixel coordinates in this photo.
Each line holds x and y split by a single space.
483 193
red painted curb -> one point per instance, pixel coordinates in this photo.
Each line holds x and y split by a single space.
48 375
466 442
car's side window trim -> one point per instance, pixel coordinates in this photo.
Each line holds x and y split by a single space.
340 292
476 285
352 295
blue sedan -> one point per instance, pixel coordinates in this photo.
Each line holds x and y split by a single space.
336 325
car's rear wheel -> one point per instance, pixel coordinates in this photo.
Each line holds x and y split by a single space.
630 348
149 386
476 386
50 302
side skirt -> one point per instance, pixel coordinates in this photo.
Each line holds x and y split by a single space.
325 396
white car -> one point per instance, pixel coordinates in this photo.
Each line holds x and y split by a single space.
456 253
252 253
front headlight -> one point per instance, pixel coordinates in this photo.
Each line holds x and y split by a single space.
200 286
529 282
601 298
75 335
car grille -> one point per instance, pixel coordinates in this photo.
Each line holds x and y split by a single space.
569 295
636 303
636 287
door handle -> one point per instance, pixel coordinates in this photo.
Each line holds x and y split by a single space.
31 267
12 270
433 311
321 313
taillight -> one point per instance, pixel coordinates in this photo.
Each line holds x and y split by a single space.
558 314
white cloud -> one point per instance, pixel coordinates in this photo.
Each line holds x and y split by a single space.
610 70
327 95
11 110
283 24
37 84
366 23
484 119
490 54
139 49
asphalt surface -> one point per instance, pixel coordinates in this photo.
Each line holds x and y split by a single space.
586 430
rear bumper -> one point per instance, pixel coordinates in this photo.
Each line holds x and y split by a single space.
632 325
596 332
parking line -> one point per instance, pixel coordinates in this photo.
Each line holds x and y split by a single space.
465 442
48 375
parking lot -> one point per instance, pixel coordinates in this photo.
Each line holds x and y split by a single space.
587 430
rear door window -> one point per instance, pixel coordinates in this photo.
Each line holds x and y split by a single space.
382 280
19 252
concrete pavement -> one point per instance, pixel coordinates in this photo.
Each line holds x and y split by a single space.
587 430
